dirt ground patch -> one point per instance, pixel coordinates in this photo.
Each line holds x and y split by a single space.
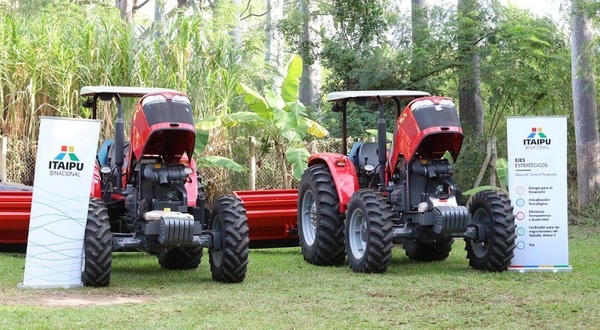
88 301
67 299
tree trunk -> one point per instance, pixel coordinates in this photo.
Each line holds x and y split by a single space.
126 8
236 33
274 54
159 17
469 82
283 165
584 105
310 48
419 35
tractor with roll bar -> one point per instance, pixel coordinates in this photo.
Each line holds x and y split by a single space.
146 194
149 193
359 204
160 192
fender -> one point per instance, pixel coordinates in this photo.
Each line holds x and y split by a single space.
343 174
96 190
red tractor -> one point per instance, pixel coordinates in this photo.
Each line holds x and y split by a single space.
147 196
362 203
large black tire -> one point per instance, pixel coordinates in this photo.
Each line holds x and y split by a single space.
491 212
320 222
368 232
181 258
97 244
229 224
426 252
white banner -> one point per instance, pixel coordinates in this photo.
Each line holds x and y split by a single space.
537 182
63 179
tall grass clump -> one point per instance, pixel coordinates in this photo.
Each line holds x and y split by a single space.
49 51
197 55
46 55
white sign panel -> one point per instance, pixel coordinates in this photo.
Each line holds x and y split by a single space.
537 182
63 179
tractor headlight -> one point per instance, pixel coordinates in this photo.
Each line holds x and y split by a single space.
369 168
105 170
153 99
447 103
181 99
420 104
188 170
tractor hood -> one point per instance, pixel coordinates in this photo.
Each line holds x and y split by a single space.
163 126
428 127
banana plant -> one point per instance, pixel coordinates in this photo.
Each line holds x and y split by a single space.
213 161
501 172
281 115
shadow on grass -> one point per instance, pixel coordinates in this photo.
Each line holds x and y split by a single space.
143 268
450 266
13 248
277 251
399 263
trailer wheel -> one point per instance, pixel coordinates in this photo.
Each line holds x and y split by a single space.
440 250
97 244
320 223
368 232
493 215
181 258
229 224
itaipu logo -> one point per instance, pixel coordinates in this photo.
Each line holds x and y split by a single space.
537 139
66 163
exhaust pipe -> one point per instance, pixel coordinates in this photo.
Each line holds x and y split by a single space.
119 142
381 141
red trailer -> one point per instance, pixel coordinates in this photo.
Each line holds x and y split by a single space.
15 205
271 217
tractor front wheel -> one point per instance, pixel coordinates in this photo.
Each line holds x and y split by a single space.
320 223
493 217
181 258
229 253
97 245
368 232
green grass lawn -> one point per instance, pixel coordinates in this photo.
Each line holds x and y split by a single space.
281 291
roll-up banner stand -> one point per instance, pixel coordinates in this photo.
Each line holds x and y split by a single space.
537 183
61 190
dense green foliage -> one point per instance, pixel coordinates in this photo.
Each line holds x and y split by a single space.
47 55
525 70
280 115
49 49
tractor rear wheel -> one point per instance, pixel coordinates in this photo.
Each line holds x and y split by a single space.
229 254
97 245
181 258
368 232
440 250
493 215
320 223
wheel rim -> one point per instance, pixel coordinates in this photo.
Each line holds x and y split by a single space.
357 234
309 218
480 249
217 256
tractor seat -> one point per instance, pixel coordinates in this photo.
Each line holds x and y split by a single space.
111 155
367 154
103 152
353 155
